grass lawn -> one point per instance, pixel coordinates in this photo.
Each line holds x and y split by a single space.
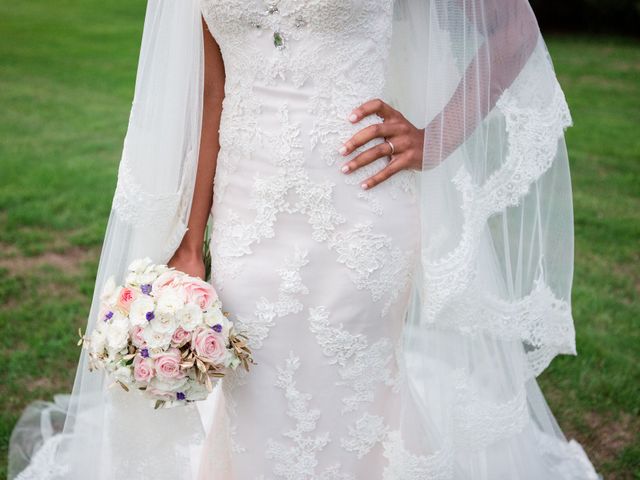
66 79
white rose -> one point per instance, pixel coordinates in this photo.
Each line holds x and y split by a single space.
169 302
123 374
139 265
131 279
148 276
168 385
119 319
155 339
108 289
97 341
215 316
194 390
164 323
110 293
139 309
158 269
190 316
117 335
112 300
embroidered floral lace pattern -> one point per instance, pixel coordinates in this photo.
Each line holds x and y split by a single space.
364 434
297 462
271 198
569 459
404 465
539 319
43 463
481 422
334 27
257 327
362 366
375 262
450 280
451 274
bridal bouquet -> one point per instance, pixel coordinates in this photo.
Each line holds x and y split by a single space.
164 333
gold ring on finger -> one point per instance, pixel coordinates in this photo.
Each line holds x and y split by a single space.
393 150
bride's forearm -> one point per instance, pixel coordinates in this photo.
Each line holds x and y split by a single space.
213 95
512 39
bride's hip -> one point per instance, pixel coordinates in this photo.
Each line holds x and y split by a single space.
308 179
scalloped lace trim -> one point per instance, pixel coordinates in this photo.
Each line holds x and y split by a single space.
43 465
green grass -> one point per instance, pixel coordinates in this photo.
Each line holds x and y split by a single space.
66 81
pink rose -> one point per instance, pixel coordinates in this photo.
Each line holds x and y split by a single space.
168 364
199 292
209 345
180 337
136 337
171 279
125 299
143 370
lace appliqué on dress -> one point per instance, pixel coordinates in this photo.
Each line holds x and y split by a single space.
271 197
298 461
364 433
257 327
44 465
404 465
375 263
362 366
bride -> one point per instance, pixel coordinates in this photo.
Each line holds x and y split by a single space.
391 226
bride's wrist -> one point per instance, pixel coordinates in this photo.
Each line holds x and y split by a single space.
189 252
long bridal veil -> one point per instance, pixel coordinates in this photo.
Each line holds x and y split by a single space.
108 433
491 304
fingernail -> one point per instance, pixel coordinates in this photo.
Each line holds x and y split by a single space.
353 117
364 186
345 168
342 150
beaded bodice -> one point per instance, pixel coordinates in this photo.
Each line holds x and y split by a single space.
338 45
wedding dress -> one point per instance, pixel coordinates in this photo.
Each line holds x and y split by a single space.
325 280
315 270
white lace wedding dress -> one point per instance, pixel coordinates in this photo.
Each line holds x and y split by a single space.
318 272
314 268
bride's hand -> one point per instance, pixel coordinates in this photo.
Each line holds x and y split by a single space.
188 262
407 140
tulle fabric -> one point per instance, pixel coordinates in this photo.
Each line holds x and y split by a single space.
108 433
491 306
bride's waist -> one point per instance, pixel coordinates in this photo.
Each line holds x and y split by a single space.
311 96
272 117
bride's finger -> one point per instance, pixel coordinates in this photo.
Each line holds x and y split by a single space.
377 130
371 154
378 151
393 167
370 107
